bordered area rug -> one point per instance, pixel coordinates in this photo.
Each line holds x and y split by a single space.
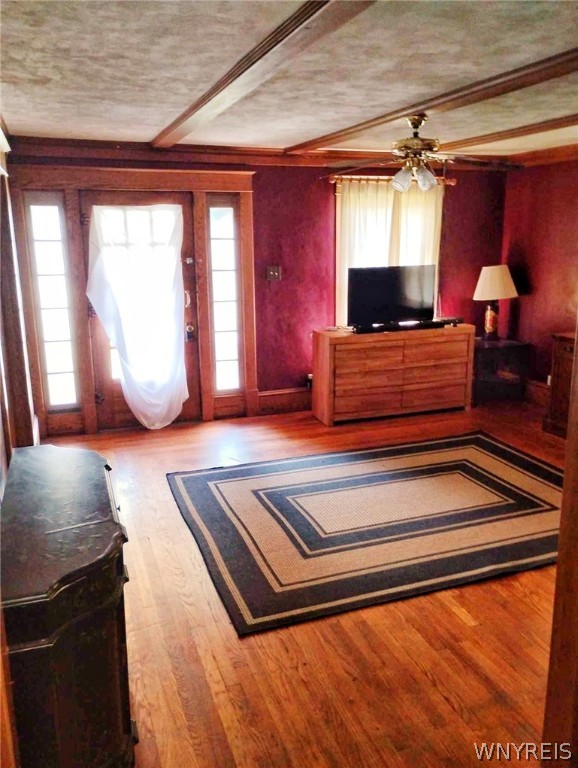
300 538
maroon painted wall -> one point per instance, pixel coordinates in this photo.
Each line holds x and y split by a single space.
294 227
471 239
541 246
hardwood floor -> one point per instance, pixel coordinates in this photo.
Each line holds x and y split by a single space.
409 684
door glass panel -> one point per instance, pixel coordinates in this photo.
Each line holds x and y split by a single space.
55 324
227 345
47 239
138 224
58 355
224 286
52 290
115 369
223 254
224 281
61 388
49 258
45 222
222 223
225 316
227 374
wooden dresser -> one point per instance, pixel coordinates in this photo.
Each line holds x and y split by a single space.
556 419
62 596
357 376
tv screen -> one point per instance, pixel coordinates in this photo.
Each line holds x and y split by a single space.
390 294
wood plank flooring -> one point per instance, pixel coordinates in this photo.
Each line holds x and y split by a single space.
409 684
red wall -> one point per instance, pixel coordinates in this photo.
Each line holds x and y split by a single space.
294 223
541 246
471 239
294 227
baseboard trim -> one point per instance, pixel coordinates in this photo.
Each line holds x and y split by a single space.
284 400
538 392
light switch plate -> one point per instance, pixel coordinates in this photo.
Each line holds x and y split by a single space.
274 272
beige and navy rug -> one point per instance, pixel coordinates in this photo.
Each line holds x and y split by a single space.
300 538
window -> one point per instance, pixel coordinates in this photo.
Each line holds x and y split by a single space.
225 303
48 250
379 227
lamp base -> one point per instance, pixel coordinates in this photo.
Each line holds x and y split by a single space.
491 321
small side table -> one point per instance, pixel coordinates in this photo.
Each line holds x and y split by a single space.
500 369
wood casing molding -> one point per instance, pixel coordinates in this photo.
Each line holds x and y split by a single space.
561 712
69 181
157 179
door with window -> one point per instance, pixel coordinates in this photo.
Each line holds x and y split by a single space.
139 230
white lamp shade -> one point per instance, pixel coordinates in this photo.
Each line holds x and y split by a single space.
495 283
425 178
401 182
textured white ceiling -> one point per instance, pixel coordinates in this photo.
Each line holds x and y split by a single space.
122 70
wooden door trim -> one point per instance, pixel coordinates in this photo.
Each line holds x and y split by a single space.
201 239
248 303
561 714
135 179
101 380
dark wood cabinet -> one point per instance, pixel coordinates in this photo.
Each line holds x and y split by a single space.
556 420
500 369
62 595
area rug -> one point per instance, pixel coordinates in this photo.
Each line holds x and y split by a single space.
306 537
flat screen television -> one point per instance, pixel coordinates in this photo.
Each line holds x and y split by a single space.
390 294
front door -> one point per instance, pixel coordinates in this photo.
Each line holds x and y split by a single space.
111 406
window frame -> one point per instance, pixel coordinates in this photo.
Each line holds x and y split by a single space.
219 200
57 199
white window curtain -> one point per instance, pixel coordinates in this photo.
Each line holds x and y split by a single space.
379 227
135 285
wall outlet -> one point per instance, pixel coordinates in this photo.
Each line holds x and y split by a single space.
274 272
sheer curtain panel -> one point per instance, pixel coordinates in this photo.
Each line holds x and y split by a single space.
379 227
135 285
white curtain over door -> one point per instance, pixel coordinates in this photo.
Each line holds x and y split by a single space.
135 284
379 227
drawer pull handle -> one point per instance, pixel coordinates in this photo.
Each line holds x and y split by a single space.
569 348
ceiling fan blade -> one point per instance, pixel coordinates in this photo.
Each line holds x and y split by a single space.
387 157
501 165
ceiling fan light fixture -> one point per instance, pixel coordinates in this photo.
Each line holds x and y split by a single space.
426 180
401 182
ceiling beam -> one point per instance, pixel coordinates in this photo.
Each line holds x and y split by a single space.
512 133
310 22
507 82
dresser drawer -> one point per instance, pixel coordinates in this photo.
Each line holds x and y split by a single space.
441 372
435 397
435 350
373 402
367 358
361 381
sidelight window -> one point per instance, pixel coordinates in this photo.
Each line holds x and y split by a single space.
225 296
48 247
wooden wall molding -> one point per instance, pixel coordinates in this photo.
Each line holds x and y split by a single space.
284 400
23 422
561 714
566 154
27 150
88 155
506 82
513 133
311 21
73 178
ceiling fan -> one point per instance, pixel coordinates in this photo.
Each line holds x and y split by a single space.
417 153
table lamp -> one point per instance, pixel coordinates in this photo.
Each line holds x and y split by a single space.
494 283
